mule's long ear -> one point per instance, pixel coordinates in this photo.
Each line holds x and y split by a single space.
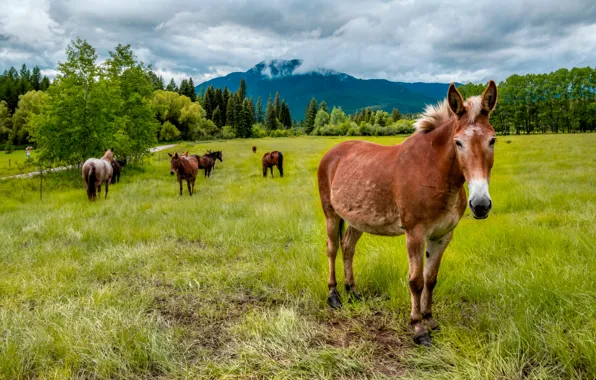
170 154
456 102
489 97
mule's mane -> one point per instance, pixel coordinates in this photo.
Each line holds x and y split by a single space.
438 114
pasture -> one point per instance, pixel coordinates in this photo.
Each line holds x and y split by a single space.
232 282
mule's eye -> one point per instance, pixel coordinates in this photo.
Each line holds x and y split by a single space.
459 144
492 141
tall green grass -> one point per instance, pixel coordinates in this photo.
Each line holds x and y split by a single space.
232 281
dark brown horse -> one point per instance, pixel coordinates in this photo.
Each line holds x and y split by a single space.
217 155
254 149
272 159
116 169
96 172
186 168
415 188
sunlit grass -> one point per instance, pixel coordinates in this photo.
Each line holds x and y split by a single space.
232 281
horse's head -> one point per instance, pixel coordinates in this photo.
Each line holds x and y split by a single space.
108 155
474 140
219 155
174 162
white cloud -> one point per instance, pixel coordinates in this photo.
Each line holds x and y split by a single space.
401 40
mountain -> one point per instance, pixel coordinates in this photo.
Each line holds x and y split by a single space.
337 89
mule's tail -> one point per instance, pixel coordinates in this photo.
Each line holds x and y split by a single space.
91 178
280 164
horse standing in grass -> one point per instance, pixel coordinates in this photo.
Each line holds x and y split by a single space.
254 149
117 166
217 155
186 168
205 162
96 172
272 159
415 188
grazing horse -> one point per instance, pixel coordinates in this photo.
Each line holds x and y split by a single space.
205 162
186 168
215 155
414 188
254 149
96 172
272 159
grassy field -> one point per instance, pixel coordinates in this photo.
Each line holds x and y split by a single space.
232 282
15 163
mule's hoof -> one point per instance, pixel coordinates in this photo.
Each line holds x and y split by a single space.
423 339
333 300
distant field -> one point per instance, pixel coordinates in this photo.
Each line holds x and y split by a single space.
232 282
17 164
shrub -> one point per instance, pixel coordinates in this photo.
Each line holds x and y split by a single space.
227 132
169 132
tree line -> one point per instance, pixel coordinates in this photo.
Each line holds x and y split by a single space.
560 101
122 103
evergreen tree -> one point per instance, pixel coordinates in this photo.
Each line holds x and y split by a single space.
209 102
172 86
183 89
259 111
35 79
324 107
277 105
310 115
242 90
270 116
231 111
45 83
395 115
285 117
192 92
217 117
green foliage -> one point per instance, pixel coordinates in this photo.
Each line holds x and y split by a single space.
258 131
5 122
30 104
337 116
322 118
78 121
227 132
172 86
260 115
169 132
395 115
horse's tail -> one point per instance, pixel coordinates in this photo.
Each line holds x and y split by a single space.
91 178
280 164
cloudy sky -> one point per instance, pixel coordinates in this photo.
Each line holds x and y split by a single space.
405 40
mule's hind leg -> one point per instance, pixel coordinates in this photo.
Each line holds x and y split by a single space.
415 244
188 184
271 167
348 248
333 226
434 253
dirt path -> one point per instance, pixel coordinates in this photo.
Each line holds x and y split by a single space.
61 168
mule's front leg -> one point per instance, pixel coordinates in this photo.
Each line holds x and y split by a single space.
415 245
180 182
189 189
434 253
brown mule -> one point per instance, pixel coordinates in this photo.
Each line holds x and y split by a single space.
254 149
414 188
272 159
186 168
